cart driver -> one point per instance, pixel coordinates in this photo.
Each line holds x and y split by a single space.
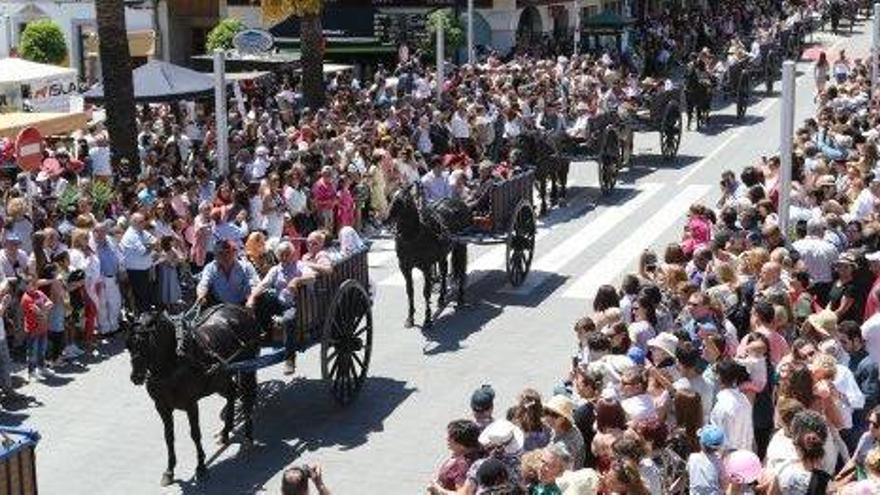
480 201
227 279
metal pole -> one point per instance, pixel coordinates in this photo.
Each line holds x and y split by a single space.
470 32
875 48
786 135
440 48
578 9
222 151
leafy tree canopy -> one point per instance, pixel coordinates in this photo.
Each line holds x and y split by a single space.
42 41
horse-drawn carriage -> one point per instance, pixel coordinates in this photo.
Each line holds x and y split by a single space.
183 358
18 473
510 220
603 142
609 136
429 234
660 113
335 312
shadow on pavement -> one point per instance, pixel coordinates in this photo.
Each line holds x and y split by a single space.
452 327
297 418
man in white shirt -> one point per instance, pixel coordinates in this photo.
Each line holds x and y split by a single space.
866 202
99 154
136 246
435 183
458 125
732 410
818 256
636 403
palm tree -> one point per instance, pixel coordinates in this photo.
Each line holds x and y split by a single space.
311 42
116 76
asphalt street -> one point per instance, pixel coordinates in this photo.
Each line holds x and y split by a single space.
101 435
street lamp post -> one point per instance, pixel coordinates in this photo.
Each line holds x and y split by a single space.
440 47
222 152
578 9
470 32
786 134
875 48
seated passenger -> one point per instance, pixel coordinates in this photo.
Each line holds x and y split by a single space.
316 257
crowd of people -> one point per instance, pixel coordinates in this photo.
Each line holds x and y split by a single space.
91 239
741 359
737 317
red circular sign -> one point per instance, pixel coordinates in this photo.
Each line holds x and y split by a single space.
29 149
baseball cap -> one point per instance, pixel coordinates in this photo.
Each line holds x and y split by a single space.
711 436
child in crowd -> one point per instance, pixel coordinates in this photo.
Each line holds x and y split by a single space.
167 270
705 467
35 307
754 360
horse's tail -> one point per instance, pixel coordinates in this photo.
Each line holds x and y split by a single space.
459 260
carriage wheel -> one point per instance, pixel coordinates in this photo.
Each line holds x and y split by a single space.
670 132
609 162
743 92
347 341
520 243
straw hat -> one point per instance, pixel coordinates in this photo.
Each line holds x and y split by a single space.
824 321
666 342
562 406
580 482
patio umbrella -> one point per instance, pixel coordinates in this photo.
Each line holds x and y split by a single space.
158 81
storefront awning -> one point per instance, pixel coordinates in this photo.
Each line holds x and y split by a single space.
140 43
49 124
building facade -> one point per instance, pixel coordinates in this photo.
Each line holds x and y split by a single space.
76 18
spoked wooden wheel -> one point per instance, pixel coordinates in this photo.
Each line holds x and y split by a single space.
670 132
609 162
743 91
347 341
520 243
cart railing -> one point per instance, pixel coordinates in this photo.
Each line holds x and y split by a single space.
18 473
506 194
313 300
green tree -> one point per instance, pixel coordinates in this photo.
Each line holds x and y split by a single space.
220 38
453 32
42 41
116 76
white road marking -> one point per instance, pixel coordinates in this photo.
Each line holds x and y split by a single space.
566 252
702 163
626 252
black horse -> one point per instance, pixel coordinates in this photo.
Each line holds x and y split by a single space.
180 365
536 151
698 96
423 240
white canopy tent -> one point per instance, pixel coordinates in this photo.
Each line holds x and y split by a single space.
19 70
47 88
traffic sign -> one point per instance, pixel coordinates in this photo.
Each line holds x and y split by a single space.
29 149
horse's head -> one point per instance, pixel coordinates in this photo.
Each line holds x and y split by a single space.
403 206
148 342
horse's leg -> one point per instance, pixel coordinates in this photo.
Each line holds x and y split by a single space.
228 413
541 184
444 272
407 277
248 388
195 432
165 412
564 166
554 179
459 268
426 292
